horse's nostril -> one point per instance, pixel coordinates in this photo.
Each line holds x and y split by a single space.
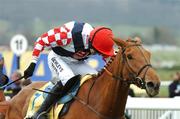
157 86
150 84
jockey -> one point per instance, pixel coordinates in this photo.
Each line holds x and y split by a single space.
70 45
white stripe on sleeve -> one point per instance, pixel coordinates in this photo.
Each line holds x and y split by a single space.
38 47
57 36
45 39
50 32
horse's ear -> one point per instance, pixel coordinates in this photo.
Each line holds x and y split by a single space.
138 40
129 39
120 42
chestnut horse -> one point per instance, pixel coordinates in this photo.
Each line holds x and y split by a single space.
103 96
3 105
2 97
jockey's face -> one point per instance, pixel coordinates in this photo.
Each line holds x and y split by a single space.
93 51
104 56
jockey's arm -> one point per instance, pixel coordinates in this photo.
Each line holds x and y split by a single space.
52 38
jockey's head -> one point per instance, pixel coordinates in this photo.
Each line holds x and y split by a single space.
102 41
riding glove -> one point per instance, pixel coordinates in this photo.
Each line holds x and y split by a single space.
3 80
29 71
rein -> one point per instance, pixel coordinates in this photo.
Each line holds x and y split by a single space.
135 80
90 107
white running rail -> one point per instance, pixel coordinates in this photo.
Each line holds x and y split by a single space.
153 108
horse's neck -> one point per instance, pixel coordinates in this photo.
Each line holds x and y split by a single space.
2 97
109 95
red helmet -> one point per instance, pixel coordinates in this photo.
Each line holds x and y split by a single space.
101 39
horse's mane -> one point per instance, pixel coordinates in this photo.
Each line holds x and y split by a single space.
118 40
135 40
107 64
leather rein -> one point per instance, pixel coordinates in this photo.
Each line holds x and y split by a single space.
134 76
135 79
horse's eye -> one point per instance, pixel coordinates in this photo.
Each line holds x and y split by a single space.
129 56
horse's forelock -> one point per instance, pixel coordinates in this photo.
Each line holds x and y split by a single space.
136 40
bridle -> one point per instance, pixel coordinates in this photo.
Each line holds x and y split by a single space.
133 75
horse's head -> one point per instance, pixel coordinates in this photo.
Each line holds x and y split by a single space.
136 67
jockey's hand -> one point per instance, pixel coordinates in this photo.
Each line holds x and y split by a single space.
29 71
4 80
80 55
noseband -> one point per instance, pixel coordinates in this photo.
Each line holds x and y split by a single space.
133 75
135 79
